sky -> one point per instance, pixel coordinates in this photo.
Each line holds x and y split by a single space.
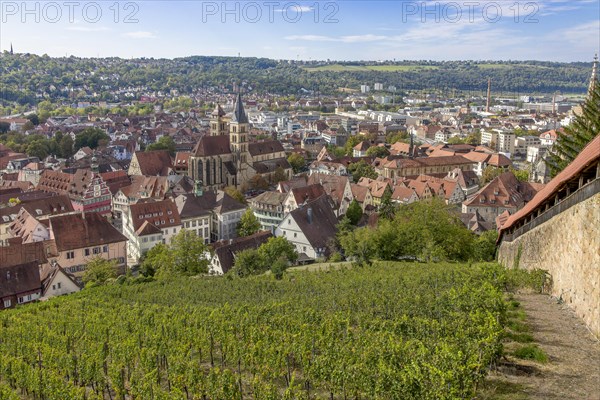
550 30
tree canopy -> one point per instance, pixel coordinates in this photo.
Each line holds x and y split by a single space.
91 137
297 162
185 255
276 254
362 169
426 230
570 142
164 143
99 270
248 224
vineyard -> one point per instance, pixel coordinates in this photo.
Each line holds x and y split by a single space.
389 331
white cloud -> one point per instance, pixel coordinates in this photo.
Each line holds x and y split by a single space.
140 35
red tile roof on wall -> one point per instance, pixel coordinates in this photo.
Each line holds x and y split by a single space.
588 155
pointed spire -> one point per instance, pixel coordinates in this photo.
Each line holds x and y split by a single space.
239 115
11 49
594 78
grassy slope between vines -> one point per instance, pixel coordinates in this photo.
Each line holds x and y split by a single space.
391 330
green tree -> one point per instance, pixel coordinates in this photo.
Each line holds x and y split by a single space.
484 247
185 255
248 262
387 207
37 149
27 126
489 173
359 245
155 258
378 151
584 128
90 137
257 182
362 169
521 174
351 142
277 247
248 224
65 146
189 253
279 175
4 127
297 162
278 268
400 136
35 120
354 212
164 143
99 270
456 140
236 194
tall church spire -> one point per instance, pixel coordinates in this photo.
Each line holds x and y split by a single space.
239 114
11 49
238 131
594 78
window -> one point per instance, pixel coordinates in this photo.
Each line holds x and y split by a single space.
171 220
58 285
20 300
53 287
295 234
87 252
7 303
105 249
96 250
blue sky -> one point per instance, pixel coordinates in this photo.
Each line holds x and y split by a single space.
555 30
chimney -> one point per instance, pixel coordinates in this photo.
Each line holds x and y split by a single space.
309 214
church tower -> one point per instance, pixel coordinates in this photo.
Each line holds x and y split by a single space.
218 125
238 133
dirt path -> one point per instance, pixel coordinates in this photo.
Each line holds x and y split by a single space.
573 367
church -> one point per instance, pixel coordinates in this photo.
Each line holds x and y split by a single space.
226 158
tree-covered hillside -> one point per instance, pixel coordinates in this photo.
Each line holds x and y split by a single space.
26 78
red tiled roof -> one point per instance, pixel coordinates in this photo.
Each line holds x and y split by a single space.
153 163
75 231
588 155
159 213
212 146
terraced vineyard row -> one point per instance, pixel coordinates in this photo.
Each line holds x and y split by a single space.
388 331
